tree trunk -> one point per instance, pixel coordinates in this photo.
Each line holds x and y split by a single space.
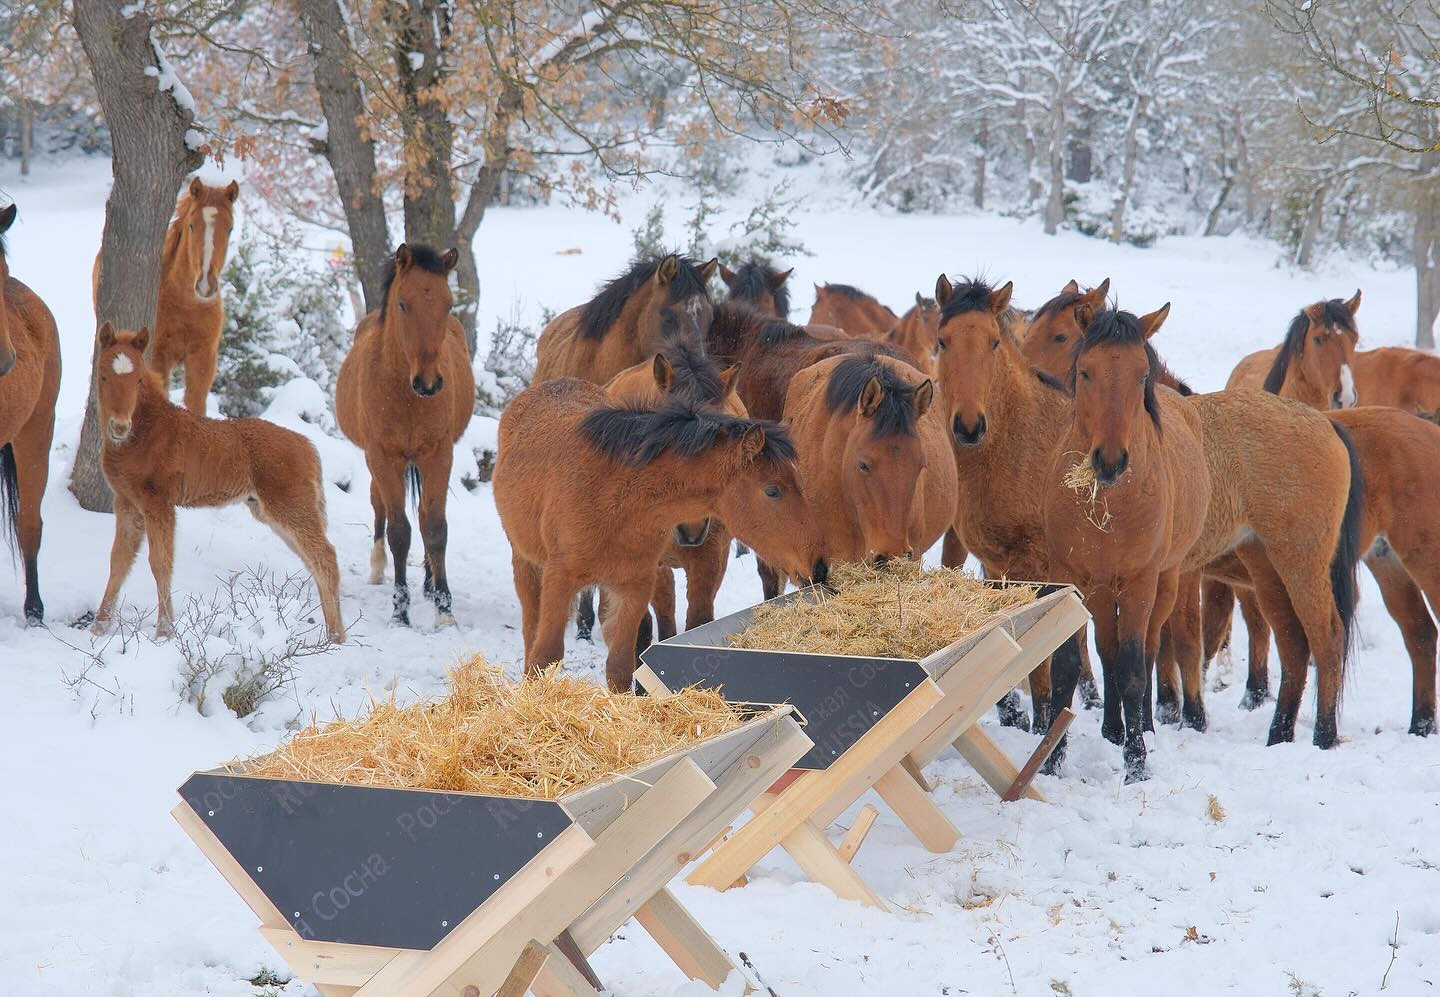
346 147
151 157
1310 231
422 34
1127 173
26 118
1081 168
1033 186
1212 218
482 192
982 142
1427 253
1055 204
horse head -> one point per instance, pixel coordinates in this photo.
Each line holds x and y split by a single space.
1314 362
1113 381
760 285
120 368
1055 330
918 333
764 505
969 342
207 215
416 307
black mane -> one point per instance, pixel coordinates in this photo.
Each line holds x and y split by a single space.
970 295
848 291
896 414
696 380
423 256
601 311
1334 314
637 436
1113 327
754 278
776 331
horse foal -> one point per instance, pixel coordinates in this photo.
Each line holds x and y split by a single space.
157 456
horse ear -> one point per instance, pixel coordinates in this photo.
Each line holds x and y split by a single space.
727 275
664 373
1000 300
1150 324
403 259
777 280
1353 304
752 443
665 272
919 300
142 338
7 218
450 259
871 396
1071 287
232 191
1091 302
924 397
730 377
707 270
943 290
106 335
197 187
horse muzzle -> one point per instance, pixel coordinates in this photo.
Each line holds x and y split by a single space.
117 430
968 436
205 290
880 560
688 535
1109 472
426 389
819 572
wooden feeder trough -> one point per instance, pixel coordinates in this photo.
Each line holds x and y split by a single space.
399 892
875 723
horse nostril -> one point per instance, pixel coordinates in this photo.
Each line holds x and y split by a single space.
965 435
881 560
821 573
909 553
418 385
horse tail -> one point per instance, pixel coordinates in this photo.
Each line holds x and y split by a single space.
412 485
1347 549
9 497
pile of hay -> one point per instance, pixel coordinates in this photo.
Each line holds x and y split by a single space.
898 611
543 737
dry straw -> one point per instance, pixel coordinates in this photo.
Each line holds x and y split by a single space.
543 737
898 611
1081 480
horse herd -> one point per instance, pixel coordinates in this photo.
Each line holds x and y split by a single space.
1053 445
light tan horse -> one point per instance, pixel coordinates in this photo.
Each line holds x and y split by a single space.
1316 362
1398 377
29 383
191 312
157 456
405 394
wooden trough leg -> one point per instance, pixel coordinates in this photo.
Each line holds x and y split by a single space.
992 764
565 945
559 978
917 773
855 837
527 967
1021 785
814 854
918 812
687 944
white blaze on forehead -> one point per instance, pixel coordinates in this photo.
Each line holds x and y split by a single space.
1347 386
122 364
209 250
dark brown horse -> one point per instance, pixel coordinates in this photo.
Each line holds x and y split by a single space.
1125 502
760 285
604 514
684 375
29 383
157 456
405 394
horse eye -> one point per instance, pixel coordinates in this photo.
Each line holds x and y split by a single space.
404 307
1060 338
772 491
942 344
864 467
995 345
1084 375
1318 340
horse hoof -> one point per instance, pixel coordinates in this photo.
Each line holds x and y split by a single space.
337 636
1115 735
34 617
400 620
1168 714
1089 695
444 619
1326 738
1055 764
1253 699
1423 728
1136 772
583 633
164 633
1194 718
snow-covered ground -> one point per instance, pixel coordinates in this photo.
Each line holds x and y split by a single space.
1105 889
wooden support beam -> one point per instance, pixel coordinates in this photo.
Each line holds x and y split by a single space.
527 967
917 773
559 978
328 963
916 810
565 944
687 944
813 853
990 763
855 837
1021 786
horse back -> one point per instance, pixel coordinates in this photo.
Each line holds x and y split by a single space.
1397 377
1251 370
33 384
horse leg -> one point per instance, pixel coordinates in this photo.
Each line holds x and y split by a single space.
1089 691
377 551
527 590
200 364
585 614
1102 605
1041 692
1257 679
31 452
953 552
1290 640
1166 587
1217 611
302 526
1406 605
557 592
1065 675
160 535
703 576
1167 679
1184 629
434 482
663 600
1136 605
388 477
620 626
129 531
771 581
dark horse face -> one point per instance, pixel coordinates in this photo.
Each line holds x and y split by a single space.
669 316
120 367
208 217
1114 386
418 303
1054 332
969 341
7 346
880 473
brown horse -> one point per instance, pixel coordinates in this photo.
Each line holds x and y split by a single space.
759 285
405 394
1314 364
874 457
1397 377
918 333
851 309
628 321
1125 502
190 312
604 514
157 456
683 374
29 382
